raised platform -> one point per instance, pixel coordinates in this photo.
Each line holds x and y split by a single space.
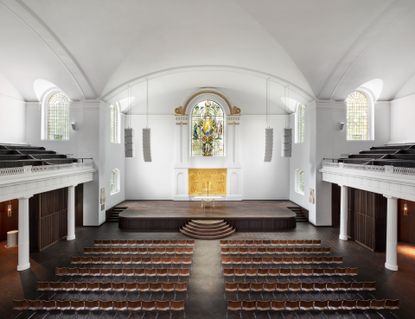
169 216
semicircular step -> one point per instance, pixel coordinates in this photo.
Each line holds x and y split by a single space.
207 229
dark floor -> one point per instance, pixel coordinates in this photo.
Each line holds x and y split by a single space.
206 285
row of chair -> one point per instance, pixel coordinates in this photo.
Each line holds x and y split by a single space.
274 250
99 305
308 305
299 286
141 242
299 260
140 250
296 272
86 260
112 286
268 242
125 272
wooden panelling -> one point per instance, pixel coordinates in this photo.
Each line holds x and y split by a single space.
335 205
406 217
8 221
48 218
79 205
367 219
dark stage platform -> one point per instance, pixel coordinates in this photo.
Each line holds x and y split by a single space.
246 216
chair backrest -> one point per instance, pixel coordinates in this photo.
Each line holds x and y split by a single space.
147 305
163 305
177 305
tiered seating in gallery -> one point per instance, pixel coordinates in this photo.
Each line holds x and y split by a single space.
292 278
402 155
27 155
129 284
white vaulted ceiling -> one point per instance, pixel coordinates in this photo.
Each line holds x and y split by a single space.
325 48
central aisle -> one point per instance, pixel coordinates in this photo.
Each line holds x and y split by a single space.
206 285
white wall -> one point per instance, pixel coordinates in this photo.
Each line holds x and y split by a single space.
12 114
154 180
82 143
332 143
402 120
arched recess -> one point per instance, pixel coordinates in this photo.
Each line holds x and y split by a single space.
207 95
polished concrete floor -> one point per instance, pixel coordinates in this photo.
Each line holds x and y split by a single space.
206 285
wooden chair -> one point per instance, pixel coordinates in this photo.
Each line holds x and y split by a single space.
282 286
43 286
105 305
376 304
63 305
306 305
348 305
334 305
320 305
162 305
148 305
262 305
117 286
307 286
231 286
77 305
134 305
277 305
177 305
292 305
294 286
167 287
92 305
182 272
130 287
270 286
363 304
248 305
105 286
392 304
93 286
21 305
120 305
180 287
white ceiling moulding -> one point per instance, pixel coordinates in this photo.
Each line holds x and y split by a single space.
308 96
39 27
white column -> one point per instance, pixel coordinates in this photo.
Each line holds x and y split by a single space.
392 234
343 212
71 213
23 261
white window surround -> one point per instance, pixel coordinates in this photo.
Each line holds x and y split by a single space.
299 124
369 133
115 123
115 181
299 181
60 131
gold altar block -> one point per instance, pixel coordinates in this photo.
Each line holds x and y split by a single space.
207 181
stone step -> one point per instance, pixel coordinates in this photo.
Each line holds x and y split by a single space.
213 229
207 222
207 229
207 236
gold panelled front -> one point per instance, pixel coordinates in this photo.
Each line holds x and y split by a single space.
207 181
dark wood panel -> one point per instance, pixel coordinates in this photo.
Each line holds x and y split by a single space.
367 219
148 224
48 218
406 218
335 205
79 205
8 219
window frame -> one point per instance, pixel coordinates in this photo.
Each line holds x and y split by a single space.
299 181
45 112
115 181
370 136
299 120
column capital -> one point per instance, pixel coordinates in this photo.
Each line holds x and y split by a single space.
25 196
389 196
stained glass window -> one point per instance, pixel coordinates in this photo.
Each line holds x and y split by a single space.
207 129
358 117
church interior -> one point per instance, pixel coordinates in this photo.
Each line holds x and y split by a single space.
207 159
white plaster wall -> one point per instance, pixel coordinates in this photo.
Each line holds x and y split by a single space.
12 114
332 143
155 180
82 143
402 120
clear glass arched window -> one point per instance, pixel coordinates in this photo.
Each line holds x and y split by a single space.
359 117
299 124
115 181
56 116
207 129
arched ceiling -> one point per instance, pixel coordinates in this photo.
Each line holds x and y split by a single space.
326 48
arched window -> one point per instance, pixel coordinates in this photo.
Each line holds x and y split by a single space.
55 108
299 124
207 119
115 181
299 181
359 116
115 123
